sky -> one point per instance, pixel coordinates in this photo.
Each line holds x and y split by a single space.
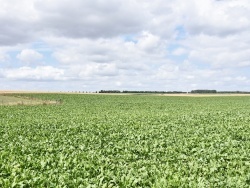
92 45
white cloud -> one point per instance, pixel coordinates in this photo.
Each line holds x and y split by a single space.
148 42
134 44
91 19
231 51
92 70
29 56
217 17
41 73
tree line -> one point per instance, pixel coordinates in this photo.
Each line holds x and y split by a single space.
198 91
131 91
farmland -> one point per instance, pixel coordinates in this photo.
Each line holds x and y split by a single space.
126 141
23 100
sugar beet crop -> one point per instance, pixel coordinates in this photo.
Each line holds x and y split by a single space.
126 141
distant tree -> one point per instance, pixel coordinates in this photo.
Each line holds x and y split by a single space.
203 91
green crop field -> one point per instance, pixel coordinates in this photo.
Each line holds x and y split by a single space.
126 141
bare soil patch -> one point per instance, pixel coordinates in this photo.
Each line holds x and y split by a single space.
8 100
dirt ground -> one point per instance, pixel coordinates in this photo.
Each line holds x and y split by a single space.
6 99
16 91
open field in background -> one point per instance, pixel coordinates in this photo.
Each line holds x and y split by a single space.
16 91
126 141
168 94
206 95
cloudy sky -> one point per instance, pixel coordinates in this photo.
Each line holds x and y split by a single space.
89 45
